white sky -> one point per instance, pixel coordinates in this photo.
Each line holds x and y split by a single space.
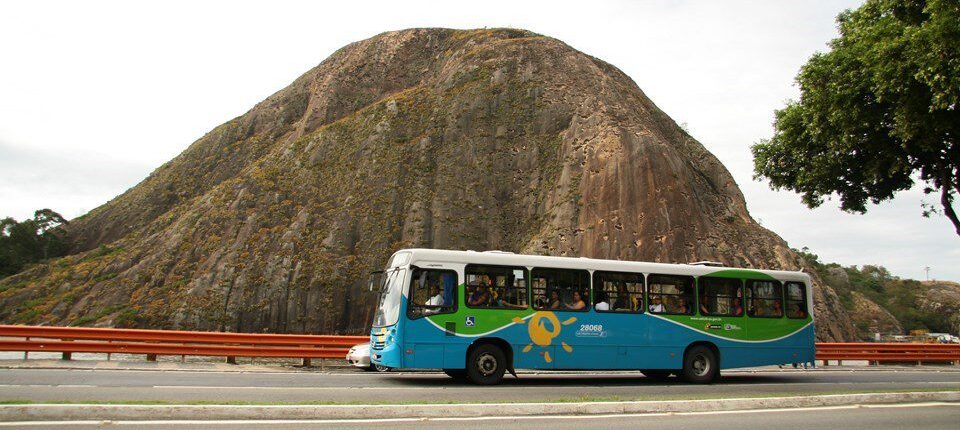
95 95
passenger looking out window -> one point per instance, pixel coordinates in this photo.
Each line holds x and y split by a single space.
618 291
796 300
656 305
764 299
670 294
721 296
561 289
576 303
602 301
501 287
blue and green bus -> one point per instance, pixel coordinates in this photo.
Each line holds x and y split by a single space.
477 315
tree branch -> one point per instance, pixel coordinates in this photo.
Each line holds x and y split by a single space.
946 200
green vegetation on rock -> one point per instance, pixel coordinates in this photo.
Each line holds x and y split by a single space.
915 305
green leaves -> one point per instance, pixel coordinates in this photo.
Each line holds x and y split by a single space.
31 240
876 112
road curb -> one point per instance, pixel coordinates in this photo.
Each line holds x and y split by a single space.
49 412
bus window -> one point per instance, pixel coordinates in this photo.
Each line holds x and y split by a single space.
618 292
764 299
721 297
496 287
561 289
432 292
670 294
796 300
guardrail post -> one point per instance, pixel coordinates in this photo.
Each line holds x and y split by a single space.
323 361
151 357
26 354
231 360
306 362
67 356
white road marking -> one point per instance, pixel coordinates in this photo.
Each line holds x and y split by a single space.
179 423
600 384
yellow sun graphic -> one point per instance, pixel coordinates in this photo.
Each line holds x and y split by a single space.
543 327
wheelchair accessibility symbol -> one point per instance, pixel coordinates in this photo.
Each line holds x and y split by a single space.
470 322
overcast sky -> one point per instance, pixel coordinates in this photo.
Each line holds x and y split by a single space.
95 95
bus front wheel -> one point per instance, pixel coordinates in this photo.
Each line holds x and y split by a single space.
486 364
700 365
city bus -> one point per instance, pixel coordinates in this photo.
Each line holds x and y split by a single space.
478 315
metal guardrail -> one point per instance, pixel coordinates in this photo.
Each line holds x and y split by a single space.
889 352
153 343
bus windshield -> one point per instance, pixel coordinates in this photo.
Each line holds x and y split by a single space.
388 311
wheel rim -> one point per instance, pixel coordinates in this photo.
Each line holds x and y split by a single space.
700 365
487 364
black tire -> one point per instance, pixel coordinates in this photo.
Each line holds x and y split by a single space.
700 365
458 374
381 368
658 374
486 364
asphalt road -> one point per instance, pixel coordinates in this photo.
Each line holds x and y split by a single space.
936 416
353 386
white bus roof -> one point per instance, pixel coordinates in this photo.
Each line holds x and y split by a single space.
511 259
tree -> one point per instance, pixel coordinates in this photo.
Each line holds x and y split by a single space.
876 112
31 240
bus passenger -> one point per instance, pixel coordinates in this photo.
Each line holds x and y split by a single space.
777 310
755 309
480 296
656 306
436 299
577 303
737 308
683 307
602 303
623 303
554 302
798 311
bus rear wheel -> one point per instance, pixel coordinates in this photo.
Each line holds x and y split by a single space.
486 364
700 365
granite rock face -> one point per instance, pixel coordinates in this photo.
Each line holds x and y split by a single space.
484 139
871 318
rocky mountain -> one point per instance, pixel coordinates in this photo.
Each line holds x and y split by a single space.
482 139
942 298
870 318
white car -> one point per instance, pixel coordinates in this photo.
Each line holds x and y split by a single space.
359 356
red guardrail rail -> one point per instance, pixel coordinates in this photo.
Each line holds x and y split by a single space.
889 352
68 340
172 342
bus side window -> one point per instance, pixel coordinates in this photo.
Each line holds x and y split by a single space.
764 299
500 287
796 300
720 296
618 292
670 294
432 292
560 289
